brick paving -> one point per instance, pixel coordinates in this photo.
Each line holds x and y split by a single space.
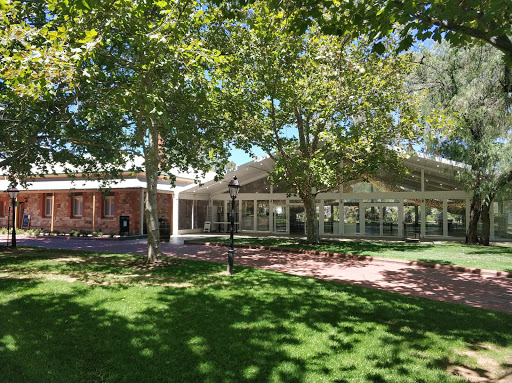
486 290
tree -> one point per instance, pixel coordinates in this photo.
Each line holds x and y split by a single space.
150 80
326 110
230 166
36 84
460 22
143 86
466 83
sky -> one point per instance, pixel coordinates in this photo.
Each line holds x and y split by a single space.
240 157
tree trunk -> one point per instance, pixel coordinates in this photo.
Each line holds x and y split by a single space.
486 225
474 216
311 220
152 160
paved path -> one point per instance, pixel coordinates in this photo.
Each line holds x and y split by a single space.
485 291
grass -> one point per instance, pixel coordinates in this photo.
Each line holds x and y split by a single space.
89 317
449 253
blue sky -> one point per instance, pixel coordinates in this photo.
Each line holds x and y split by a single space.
240 157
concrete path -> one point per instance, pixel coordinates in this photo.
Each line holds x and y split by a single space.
486 291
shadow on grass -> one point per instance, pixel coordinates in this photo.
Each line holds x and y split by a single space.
350 247
74 264
256 326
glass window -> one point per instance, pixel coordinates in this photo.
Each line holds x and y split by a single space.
503 220
247 215
263 210
440 181
372 220
78 203
351 217
379 200
259 186
108 207
393 182
456 217
390 221
412 218
2 208
280 216
362 187
331 216
434 217
185 208
48 204
281 187
200 214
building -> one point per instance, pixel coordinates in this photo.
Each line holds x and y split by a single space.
57 203
425 203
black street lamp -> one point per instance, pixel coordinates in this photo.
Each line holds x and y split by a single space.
233 186
13 193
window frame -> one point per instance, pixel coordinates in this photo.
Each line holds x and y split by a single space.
108 206
48 198
77 198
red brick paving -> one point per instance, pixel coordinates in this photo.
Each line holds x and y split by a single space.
485 291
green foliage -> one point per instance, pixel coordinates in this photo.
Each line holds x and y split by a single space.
40 48
326 109
459 22
467 84
148 91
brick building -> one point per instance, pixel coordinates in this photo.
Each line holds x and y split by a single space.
57 203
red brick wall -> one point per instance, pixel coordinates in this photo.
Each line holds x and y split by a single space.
126 202
4 210
164 202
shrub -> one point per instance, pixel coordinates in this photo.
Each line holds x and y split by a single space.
97 233
73 233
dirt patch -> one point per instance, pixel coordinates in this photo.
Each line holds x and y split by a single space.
487 370
70 259
142 265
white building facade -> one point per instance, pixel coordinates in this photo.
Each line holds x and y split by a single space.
427 202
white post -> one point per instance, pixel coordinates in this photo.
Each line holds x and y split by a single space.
175 216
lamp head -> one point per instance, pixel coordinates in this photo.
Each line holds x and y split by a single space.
233 186
13 192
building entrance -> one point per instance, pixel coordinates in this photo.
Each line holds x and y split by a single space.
297 219
381 220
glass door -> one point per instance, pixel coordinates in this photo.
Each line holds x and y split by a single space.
381 220
331 217
412 218
280 217
297 219
390 221
372 221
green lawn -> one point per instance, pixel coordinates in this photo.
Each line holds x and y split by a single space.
449 253
89 317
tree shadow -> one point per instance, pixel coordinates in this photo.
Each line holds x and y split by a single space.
256 326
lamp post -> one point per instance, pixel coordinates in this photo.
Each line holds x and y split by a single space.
233 186
13 193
